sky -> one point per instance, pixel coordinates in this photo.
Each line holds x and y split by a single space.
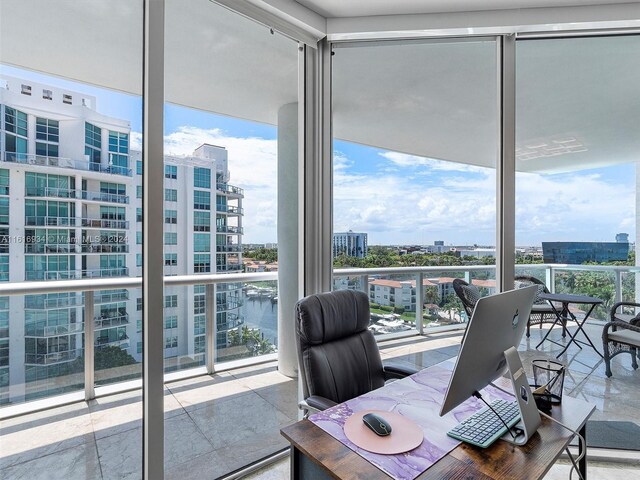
396 198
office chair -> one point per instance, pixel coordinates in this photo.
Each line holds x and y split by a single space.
338 355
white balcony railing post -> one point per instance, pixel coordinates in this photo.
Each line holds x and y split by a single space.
618 284
89 364
419 303
550 279
210 305
364 279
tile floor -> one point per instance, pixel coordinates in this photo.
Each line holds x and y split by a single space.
217 424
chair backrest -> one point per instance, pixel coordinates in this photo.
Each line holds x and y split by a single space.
338 355
468 295
526 280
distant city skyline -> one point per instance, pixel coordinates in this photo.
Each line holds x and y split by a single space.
396 198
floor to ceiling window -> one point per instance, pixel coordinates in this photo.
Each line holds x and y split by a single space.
414 158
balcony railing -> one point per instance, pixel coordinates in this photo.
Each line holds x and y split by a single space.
229 189
108 322
50 248
49 358
228 248
105 248
111 297
53 330
104 197
62 162
50 192
76 274
217 321
228 229
229 209
38 302
104 223
229 267
40 221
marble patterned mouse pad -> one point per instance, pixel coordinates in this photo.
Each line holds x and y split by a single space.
418 398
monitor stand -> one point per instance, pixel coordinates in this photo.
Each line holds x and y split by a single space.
530 418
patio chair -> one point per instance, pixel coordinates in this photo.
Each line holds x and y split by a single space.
337 353
468 295
620 335
541 311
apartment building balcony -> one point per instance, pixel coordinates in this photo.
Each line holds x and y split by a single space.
105 248
62 162
99 223
50 192
45 221
230 190
233 321
41 302
48 248
228 248
53 330
229 229
229 267
111 321
103 197
105 272
50 358
230 304
110 297
229 210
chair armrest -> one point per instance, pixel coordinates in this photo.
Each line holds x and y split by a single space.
318 403
394 370
622 304
615 325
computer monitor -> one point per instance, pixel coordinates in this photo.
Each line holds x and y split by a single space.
497 323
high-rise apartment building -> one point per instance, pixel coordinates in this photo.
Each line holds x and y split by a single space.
350 243
71 208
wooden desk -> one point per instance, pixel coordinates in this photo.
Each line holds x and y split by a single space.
317 455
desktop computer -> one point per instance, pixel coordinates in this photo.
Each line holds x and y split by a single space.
488 351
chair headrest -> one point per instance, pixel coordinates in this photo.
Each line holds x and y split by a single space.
325 317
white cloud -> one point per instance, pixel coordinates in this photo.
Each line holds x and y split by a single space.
407 160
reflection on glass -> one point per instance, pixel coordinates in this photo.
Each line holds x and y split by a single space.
576 156
414 172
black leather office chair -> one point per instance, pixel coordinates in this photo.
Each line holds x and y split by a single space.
338 355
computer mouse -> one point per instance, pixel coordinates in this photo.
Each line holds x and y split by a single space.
377 424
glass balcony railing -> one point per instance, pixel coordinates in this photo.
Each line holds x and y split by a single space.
109 297
61 162
229 209
40 302
228 248
53 330
50 192
50 248
104 197
50 358
230 189
111 321
105 272
229 229
45 221
105 248
104 223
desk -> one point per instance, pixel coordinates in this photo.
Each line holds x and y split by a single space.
317 455
565 314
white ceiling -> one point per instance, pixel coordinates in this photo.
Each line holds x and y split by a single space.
363 8
435 100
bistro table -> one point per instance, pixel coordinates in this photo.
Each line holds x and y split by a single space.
565 314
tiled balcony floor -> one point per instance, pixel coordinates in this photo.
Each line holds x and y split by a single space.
217 424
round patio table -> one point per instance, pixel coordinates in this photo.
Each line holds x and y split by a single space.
565 314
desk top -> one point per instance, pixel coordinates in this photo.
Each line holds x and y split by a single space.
500 461
569 298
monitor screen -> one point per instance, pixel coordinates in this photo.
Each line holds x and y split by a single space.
497 323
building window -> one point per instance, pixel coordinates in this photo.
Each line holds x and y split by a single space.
4 211
15 137
139 191
170 238
68 99
170 321
138 214
138 259
138 238
25 89
201 263
202 177
171 342
201 200
170 195
119 152
198 344
47 94
171 216
4 181
139 304
138 167
171 172
170 301
201 221
201 242
170 259
139 347
113 188
93 144
199 303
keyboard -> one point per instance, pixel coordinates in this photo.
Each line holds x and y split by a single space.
483 427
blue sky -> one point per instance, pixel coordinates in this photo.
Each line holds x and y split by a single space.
396 198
